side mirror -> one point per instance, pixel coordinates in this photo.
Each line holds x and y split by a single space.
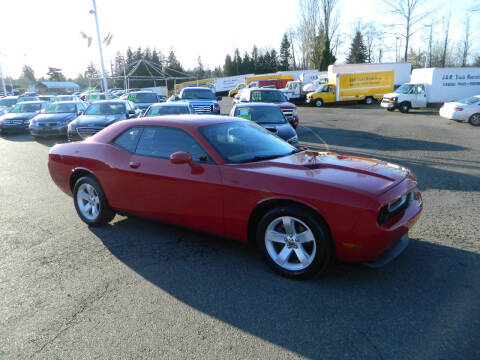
131 113
80 112
219 98
183 157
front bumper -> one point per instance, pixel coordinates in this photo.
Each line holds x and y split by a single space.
386 104
46 130
13 127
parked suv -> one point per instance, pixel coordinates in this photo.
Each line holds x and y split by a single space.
272 96
203 100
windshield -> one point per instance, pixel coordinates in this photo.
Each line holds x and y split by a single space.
404 89
57 108
245 141
261 114
64 98
96 97
143 98
27 98
470 100
167 110
26 108
268 96
105 109
192 94
320 89
7 102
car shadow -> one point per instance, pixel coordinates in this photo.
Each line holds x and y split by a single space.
424 305
17 137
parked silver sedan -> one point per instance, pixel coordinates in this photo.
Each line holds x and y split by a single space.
463 110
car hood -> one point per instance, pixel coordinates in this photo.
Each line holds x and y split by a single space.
390 95
19 116
98 120
284 131
200 102
43 118
362 175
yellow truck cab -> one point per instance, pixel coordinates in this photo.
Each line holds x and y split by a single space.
353 87
235 91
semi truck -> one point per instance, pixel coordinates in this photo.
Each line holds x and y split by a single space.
353 87
430 87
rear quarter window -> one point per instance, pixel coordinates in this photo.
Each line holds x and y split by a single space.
128 139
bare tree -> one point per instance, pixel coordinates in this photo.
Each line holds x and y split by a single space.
466 41
292 38
410 13
446 31
307 28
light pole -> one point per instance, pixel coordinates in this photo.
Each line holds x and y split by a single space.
396 49
3 81
94 11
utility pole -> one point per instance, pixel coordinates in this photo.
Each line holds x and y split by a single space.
94 11
3 81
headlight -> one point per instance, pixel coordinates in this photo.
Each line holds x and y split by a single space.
395 99
394 208
293 139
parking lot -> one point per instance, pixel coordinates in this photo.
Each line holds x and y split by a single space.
139 289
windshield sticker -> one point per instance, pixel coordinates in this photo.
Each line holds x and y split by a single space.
132 97
256 96
245 113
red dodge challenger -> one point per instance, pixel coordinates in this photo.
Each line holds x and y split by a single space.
231 177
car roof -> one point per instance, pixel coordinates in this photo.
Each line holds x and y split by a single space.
257 104
142 92
183 121
111 101
10 97
33 102
262 89
196 88
175 103
68 102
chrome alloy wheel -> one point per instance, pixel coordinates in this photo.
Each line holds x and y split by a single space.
88 201
290 243
475 120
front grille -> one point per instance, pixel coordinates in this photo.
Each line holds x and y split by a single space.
87 131
14 122
200 109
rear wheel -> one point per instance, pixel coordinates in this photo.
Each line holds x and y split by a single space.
293 242
318 103
91 203
475 119
404 107
369 100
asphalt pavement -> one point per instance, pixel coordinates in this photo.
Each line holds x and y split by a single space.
139 289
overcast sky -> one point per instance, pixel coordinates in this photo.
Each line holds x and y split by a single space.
46 33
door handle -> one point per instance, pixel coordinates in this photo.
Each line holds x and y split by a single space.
134 164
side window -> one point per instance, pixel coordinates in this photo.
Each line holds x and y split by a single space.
128 139
128 106
162 142
420 89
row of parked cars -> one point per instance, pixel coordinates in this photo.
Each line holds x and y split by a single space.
76 119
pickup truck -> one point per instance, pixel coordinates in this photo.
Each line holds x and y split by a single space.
203 100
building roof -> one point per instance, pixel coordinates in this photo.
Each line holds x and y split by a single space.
59 84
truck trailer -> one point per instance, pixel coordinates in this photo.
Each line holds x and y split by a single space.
430 87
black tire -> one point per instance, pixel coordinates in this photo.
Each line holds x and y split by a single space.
105 213
318 103
323 245
369 100
474 119
404 107
390 109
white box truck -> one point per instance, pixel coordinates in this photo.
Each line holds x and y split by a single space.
433 86
309 81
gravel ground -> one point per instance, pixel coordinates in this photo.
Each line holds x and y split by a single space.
138 289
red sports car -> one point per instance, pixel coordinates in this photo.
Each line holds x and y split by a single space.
231 177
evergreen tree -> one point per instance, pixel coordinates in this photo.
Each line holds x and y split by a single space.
247 66
285 55
130 58
199 71
255 60
55 74
273 63
327 57
237 62
358 50
155 57
173 63
228 68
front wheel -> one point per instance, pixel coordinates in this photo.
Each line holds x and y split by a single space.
293 242
475 119
318 103
404 107
91 203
